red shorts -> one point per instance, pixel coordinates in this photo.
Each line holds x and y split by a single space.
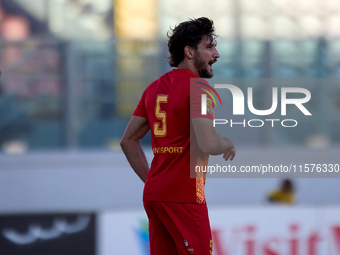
178 228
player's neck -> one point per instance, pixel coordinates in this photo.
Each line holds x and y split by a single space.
189 66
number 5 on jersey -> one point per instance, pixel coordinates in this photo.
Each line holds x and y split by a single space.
161 115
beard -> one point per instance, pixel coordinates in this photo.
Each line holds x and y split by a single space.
202 67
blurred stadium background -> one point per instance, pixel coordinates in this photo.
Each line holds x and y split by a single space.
72 74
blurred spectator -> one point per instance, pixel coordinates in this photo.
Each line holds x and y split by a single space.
285 195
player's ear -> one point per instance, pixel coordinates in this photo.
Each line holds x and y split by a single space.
189 52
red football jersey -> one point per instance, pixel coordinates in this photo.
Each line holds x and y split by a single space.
168 103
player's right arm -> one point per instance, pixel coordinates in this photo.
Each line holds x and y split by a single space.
132 148
210 141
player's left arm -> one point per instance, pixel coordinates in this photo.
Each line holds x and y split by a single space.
132 148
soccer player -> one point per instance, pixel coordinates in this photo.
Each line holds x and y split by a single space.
285 195
174 202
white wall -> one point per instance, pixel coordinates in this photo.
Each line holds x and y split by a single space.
96 181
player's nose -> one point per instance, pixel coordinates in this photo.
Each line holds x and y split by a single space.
216 54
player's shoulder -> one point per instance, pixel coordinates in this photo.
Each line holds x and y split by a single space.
199 86
183 74
169 79
163 78
179 78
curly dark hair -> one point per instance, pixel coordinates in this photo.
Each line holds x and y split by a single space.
188 33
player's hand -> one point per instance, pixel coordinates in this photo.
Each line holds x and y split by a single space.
230 154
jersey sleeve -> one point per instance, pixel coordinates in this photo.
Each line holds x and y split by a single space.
140 109
197 89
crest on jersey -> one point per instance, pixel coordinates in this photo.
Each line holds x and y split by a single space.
209 106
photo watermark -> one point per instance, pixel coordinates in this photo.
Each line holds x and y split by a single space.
273 120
